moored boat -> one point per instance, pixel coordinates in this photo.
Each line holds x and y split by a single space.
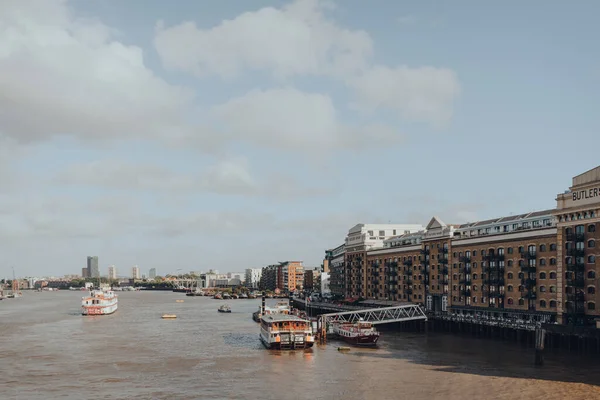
224 308
361 333
99 302
284 331
282 307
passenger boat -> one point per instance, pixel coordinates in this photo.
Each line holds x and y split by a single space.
100 302
283 331
282 307
224 308
361 333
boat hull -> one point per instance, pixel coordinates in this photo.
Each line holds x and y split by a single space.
361 340
100 310
224 311
286 345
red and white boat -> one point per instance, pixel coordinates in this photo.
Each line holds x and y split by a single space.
99 302
361 333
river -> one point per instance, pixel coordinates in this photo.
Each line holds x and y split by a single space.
49 351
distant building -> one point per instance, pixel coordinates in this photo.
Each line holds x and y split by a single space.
85 272
112 272
152 273
324 283
135 272
311 280
252 277
92 266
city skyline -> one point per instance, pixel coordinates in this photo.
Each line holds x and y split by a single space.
242 146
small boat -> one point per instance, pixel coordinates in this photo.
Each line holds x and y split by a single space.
169 316
226 296
218 296
283 331
243 296
179 301
343 348
361 333
224 308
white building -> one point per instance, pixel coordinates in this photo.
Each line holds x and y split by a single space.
325 291
135 272
252 277
112 272
363 237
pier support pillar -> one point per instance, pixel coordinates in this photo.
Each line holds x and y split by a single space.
540 336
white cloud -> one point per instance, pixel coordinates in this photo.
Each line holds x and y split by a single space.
61 75
308 43
425 94
295 40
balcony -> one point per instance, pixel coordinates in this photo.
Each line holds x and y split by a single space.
408 281
408 262
465 281
577 282
464 259
498 295
466 270
443 250
528 268
444 270
443 261
531 296
576 267
425 251
494 281
529 283
575 252
575 237
529 255
444 281
466 292
408 291
575 297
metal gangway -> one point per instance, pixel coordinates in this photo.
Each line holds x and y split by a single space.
383 315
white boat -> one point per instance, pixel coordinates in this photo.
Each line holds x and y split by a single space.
283 331
282 307
99 302
224 308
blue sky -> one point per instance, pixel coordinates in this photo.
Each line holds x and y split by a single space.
234 134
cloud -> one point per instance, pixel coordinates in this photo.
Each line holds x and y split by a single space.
228 176
62 75
306 43
424 94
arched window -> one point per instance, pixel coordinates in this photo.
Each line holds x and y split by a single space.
591 305
521 302
591 259
542 261
591 274
510 263
542 275
591 290
552 289
509 288
542 247
552 275
521 288
474 276
510 301
553 247
474 288
542 288
591 228
510 275
474 299
552 303
542 303
553 261
591 243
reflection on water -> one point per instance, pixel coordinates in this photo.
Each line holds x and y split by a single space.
50 351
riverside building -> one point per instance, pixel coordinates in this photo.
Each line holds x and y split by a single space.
537 266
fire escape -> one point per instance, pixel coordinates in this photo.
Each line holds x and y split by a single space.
575 283
375 280
528 280
494 280
443 268
426 269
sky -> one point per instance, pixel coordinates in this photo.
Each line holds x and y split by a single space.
234 134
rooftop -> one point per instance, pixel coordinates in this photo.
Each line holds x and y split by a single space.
282 318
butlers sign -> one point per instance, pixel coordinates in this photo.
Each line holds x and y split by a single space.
586 194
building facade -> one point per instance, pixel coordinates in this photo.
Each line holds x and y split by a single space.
337 275
152 273
538 266
112 272
135 272
92 267
252 277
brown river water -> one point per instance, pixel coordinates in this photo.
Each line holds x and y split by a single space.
49 351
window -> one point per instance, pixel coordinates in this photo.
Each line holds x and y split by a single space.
591 290
591 228
509 288
510 301
521 302
542 247
591 243
591 306
542 262
381 233
591 259
552 275
553 247
510 275
552 289
579 229
542 275
542 303
509 250
474 288
553 261
591 274
474 276
552 303
510 263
